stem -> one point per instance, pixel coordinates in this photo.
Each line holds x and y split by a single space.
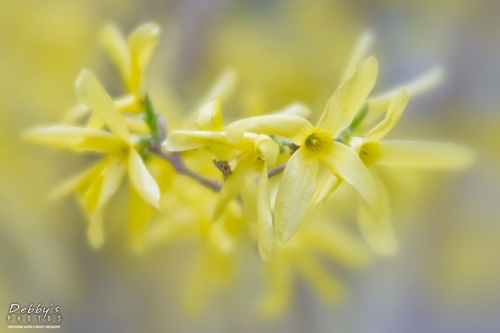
276 170
176 160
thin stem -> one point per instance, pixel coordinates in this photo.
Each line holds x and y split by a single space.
176 160
276 170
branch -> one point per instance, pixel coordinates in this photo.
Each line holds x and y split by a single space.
176 160
276 170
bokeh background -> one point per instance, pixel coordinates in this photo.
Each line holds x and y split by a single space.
445 276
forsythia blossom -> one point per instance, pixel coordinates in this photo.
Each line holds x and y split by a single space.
259 177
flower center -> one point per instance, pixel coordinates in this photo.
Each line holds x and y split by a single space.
318 143
369 152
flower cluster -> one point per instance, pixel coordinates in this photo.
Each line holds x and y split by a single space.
258 178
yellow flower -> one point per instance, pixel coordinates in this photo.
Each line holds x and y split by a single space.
373 150
100 182
133 55
317 146
186 216
255 152
315 241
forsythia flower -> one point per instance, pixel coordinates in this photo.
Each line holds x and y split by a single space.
317 146
99 183
377 230
259 151
344 145
318 238
131 57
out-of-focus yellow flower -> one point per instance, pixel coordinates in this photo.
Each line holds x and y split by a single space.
259 152
131 57
303 253
216 242
377 230
101 181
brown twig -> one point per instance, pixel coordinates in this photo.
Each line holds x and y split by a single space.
276 170
176 160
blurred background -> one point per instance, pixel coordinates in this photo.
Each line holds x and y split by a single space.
445 276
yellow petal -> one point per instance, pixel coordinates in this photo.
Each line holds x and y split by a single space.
113 176
95 122
394 113
297 109
349 98
81 182
327 188
139 214
419 154
378 231
113 42
91 93
95 231
220 89
296 189
364 43
286 125
327 286
186 140
345 163
379 104
141 43
210 117
142 181
329 239
264 217
279 279
74 138
267 149
234 184
105 185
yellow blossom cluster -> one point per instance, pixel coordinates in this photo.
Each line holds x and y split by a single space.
259 178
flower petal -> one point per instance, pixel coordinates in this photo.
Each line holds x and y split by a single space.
345 163
91 93
327 286
329 239
113 42
142 181
286 125
95 231
379 104
364 43
279 279
349 98
234 184
267 149
327 188
419 154
139 214
394 113
81 182
296 189
141 42
210 117
186 140
74 138
105 185
264 216
378 231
